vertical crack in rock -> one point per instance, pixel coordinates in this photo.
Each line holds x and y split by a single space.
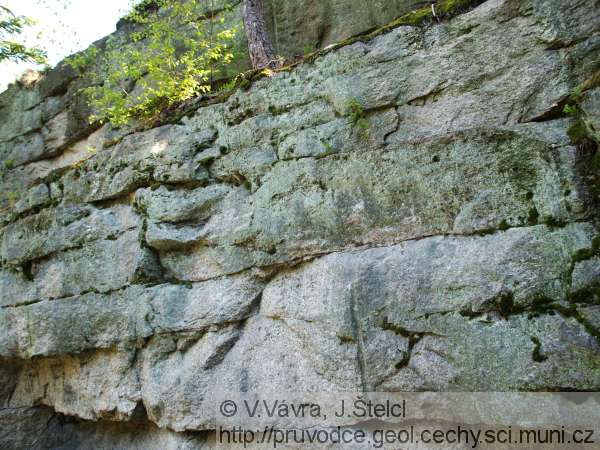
355 319
413 339
42 433
10 371
537 354
395 129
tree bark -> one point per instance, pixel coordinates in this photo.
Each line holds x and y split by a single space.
262 53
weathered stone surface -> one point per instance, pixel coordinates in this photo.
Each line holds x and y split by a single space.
58 327
23 149
9 373
266 356
104 385
25 428
586 274
303 26
55 132
307 24
428 290
163 205
122 318
591 108
136 161
177 218
38 196
41 428
60 228
502 355
165 375
417 211
311 206
572 21
174 315
57 80
16 288
26 96
136 437
18 181
37 126
102 266
20 123
20 112
180 309
164 236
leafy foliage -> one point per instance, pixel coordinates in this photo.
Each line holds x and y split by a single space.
358 117
176 51
569 109
355 110
11 26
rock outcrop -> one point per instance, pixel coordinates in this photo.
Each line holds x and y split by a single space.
413 211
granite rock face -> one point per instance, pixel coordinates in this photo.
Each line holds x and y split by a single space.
307 24
412 212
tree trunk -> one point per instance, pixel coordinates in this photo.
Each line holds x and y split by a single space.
262 53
